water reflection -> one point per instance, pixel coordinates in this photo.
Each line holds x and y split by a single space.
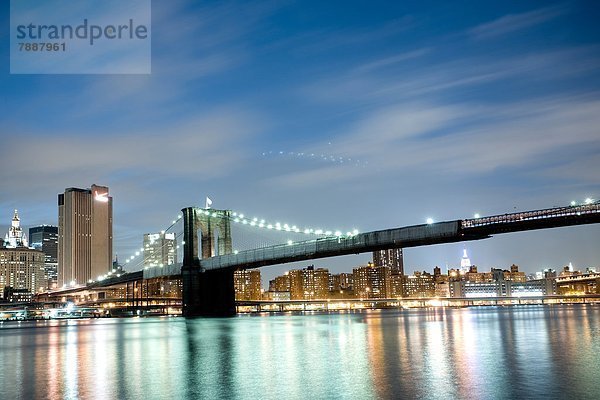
475 353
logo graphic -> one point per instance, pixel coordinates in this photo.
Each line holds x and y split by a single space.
80 37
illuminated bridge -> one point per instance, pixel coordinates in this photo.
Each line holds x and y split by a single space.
209 256
208 279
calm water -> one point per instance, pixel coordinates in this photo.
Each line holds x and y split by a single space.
477 353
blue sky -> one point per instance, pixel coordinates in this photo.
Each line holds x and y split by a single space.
444 109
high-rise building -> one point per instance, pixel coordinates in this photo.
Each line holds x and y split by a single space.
21 267
160 249
247 284
84 234
465 262
392 258
309 283
45 238
372 282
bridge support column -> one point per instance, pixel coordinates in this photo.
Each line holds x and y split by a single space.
208 294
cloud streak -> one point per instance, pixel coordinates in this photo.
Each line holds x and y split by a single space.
516 22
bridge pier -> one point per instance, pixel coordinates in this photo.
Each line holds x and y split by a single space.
208 293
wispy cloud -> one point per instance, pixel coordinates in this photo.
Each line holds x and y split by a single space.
515 22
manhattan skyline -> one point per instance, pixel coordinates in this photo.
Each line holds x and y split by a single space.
436 110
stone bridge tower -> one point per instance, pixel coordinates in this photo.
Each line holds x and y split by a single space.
206 293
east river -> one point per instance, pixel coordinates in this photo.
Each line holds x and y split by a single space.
519 352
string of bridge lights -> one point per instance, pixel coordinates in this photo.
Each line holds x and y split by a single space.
240 218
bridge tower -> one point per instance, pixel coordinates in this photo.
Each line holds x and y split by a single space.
206 293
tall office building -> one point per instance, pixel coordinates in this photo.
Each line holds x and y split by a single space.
84 234
45 238
392 258
160 249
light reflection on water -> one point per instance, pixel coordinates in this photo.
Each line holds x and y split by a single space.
474 353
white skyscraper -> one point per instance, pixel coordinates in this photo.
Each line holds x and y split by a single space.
465 262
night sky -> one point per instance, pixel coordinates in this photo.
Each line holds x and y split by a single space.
412 109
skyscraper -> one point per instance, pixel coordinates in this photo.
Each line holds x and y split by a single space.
45 238
392 258
465 262
159 249
84 234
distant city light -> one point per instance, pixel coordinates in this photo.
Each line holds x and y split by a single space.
573 203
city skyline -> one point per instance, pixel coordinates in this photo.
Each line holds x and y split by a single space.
435 113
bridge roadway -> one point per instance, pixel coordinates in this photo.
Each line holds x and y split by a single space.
411 236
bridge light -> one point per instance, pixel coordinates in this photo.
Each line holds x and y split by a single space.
183 242
179 217
269 226
235 214
307 231
162 232
235 252
338 233
289 242
241 215
348 233
429 221
255 219
476 215
328 233
137 253
174 221
589 200
355 232
319 232
573 203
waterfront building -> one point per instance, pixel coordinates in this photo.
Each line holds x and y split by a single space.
372 282
84 234
420 284
45 238
309 283
160 249
392 258
503 288
21 267
247 284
